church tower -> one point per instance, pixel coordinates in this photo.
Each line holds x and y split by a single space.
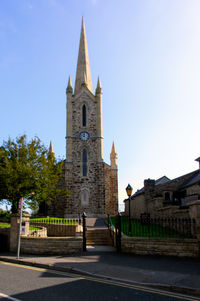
86 174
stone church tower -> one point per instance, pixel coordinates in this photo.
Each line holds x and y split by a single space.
93 184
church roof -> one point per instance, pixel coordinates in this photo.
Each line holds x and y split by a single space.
83 74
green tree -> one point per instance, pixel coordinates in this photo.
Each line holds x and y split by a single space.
28 170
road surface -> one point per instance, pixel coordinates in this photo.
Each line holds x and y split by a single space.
18 282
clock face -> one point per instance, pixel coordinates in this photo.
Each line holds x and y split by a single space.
84 136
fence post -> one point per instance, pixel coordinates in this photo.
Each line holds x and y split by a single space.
194 211
84 231
108 221
118 233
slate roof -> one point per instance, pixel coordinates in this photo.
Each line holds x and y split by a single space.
160 181
193 180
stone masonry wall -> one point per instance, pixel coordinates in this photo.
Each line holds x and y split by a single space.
172 211
51 245
151 200
14 230
194 189
137 206
164 247
111 190
93 183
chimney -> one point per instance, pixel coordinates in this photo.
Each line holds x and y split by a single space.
198 160
149 186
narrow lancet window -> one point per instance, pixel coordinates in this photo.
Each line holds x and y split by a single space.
84 115
84 163
84 198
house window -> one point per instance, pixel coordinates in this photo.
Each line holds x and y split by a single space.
167 196
84 115
84 163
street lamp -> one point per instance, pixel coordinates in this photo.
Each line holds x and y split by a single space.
129 190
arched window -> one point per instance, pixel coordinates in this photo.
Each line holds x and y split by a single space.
84 119
84 163
84 197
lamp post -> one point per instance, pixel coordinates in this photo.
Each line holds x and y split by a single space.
129 190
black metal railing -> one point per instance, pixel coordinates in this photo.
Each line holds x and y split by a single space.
56 226
56 221
84 216
168 227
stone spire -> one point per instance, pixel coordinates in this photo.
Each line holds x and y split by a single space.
113 157
98 88
84 82
69 86
83 74
51 148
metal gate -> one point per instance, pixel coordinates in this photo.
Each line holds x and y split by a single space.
118 233
4 243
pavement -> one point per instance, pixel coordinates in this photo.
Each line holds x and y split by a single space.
170 273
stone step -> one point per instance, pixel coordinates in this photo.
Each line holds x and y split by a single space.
93 236
97 230
98 237
95 222
98 243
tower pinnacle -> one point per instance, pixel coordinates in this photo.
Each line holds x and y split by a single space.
113 157
69 86
83 74
51 148
98 88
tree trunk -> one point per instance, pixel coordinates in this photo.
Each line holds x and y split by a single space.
14 208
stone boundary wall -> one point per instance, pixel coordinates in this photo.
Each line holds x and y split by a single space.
51 245
158 246
42 232
56 230
172 211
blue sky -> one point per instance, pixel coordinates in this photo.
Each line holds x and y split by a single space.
146 53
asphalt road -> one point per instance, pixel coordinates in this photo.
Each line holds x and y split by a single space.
30 283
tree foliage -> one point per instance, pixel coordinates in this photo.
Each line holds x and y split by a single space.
28 170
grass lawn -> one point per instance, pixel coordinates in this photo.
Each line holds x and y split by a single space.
5 225
47 220
34 228
139 230
9 225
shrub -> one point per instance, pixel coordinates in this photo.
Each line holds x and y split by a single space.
4 216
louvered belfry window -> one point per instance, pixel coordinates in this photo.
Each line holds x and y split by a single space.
84 163
84 117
